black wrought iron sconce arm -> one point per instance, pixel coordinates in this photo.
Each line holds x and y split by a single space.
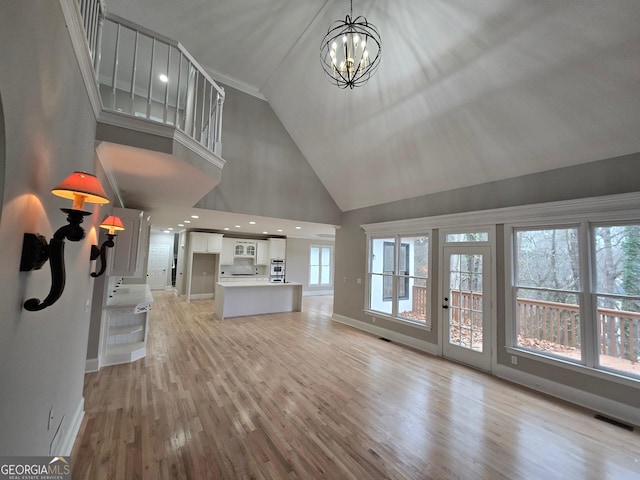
80 187
36 251
102 254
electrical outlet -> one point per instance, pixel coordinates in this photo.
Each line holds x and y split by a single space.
514 359
359 281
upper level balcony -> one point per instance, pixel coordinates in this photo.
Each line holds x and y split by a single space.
154 97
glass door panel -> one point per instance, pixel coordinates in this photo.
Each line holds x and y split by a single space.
466 304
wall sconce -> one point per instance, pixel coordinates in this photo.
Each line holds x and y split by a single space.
80 187
112 224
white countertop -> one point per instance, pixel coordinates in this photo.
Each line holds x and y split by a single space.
249 283
129 296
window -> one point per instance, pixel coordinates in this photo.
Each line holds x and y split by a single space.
558 313
398 276
617 291
547 288
467 237
403 265
319 266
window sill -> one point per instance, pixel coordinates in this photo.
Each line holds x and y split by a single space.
601 373
401 321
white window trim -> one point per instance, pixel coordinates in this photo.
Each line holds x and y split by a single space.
595 211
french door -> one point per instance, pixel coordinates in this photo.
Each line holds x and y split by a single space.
466 305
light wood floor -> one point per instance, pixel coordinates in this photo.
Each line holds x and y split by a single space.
296 396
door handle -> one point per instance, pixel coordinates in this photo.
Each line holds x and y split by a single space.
446 302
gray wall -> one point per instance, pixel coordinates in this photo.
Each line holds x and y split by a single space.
266 174
605 177
50 131
297 267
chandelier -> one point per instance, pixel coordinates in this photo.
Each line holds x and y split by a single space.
350 51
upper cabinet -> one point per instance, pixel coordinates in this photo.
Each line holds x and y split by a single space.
262 252
277 248
244 249
128 257
205 242
226 256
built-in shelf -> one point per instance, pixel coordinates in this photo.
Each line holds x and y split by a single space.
125 329
126 322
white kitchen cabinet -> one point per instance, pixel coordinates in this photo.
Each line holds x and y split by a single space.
244 249
202 264
226 255
277 248
201 242
128 257
262 253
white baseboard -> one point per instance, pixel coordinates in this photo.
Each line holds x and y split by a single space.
91 365
72 432
310 293
610 408
200 296
388 334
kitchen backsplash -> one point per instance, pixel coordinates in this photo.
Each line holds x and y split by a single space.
243 266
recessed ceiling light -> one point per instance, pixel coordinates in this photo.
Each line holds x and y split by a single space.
226 228
163 78
298 228
181 224
170 228
279 229
187 221
195 216
265 233
252 223
167 231
237 226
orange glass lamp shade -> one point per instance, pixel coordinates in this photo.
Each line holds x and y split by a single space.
81 187
113 224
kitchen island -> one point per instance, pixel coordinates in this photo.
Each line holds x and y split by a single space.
238 299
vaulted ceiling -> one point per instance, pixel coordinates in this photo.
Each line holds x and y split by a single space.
468 91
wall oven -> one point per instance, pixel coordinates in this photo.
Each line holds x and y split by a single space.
277 271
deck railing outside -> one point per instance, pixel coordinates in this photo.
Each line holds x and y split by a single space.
555 326
142 74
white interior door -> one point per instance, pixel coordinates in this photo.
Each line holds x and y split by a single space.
159 262
466 305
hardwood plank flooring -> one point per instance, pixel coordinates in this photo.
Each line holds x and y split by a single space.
297 396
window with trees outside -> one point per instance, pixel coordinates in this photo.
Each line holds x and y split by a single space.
548 285
398 277
319 265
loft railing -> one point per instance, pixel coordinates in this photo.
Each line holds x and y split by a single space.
92 13
143 74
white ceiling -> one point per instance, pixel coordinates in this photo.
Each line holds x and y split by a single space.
468 91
